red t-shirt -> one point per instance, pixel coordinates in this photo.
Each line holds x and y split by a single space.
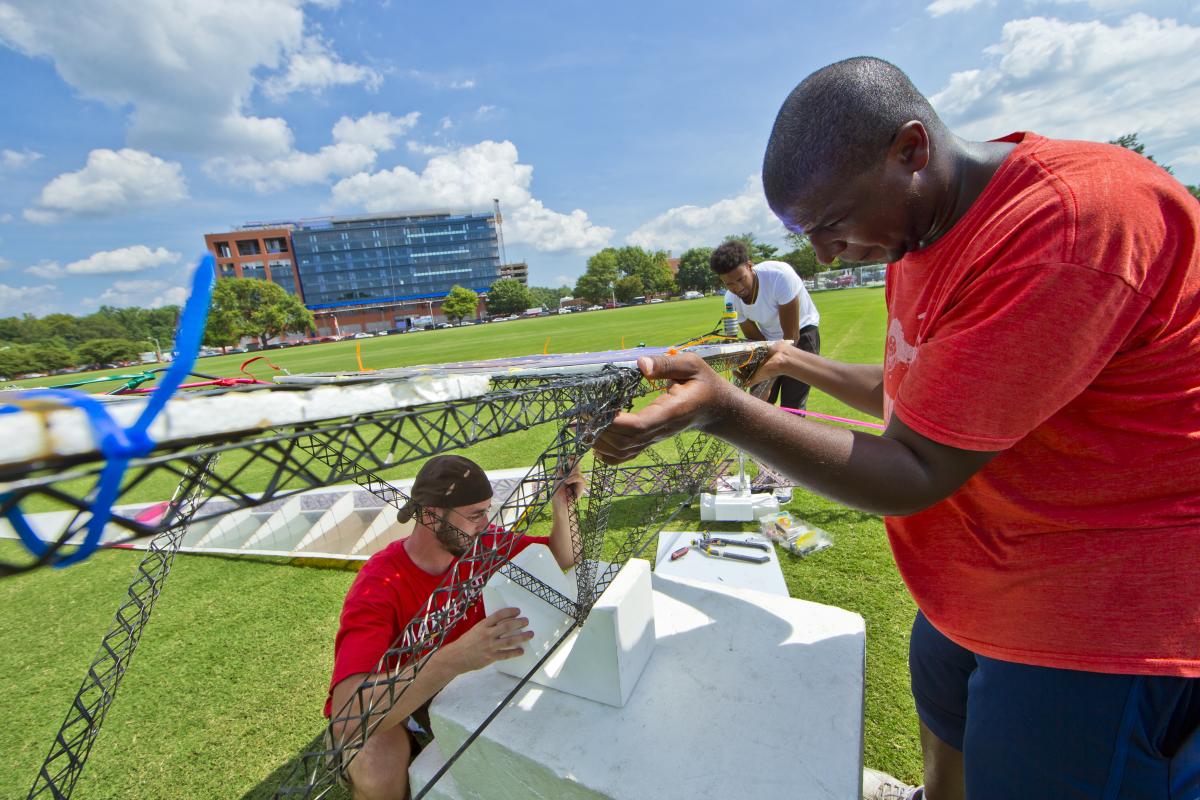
1059 323
387 594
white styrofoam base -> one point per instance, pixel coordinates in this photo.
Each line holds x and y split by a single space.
601 660
736 506
747 695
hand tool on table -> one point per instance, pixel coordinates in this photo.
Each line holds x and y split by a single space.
707 547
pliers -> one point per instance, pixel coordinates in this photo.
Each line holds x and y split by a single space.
709 544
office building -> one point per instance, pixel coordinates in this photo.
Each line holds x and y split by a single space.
256 250
517 271
381 271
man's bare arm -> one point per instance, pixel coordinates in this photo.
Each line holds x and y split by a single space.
789 319
750 331
568 493
895 474
497 637
857 385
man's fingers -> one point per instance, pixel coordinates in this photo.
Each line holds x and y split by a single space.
514 638
510 653
510 626
499 616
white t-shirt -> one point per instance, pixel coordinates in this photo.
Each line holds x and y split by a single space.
778 284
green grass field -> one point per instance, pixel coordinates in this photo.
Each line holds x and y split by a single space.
228 681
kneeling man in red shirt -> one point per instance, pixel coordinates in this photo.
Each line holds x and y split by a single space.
450 501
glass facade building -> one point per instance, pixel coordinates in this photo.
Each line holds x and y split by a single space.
346 261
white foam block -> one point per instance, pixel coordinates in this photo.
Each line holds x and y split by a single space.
748 695
603 659
736 506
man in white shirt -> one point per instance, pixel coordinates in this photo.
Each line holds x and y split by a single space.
772 304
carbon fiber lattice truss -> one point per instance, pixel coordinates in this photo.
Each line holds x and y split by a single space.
251 466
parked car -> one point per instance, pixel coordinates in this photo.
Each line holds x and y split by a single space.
361 336
444 325
656 300
595 308
692 294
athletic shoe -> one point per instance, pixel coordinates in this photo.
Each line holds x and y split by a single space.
881 786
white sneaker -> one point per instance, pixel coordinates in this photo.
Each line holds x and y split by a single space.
881 786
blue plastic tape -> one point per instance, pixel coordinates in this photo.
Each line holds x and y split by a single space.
117 444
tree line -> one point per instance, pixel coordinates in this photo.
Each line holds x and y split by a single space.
61 341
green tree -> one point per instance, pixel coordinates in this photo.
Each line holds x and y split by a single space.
49 357
254 308
546 297
507 296
803 257
1195 190
103 351
694 272
594 288
628 288
759 251
460 303
15 360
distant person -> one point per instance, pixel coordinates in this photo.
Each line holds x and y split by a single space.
772 305
1039 475
450 500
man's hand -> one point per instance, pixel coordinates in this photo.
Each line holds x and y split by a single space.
495 638
698 397
572 488
774 365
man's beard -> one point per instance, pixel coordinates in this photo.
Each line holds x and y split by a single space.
455 541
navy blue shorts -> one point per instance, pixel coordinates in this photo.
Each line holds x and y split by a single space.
1054 734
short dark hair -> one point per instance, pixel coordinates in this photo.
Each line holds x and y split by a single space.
729 256
838 123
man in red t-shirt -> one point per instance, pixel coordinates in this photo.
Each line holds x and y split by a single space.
450 500
1040 471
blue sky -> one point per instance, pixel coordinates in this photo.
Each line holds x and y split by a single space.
130 133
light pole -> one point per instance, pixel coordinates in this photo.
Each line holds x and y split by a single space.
157 348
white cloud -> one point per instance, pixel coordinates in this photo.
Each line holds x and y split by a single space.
12 159
6 218
424 149
142 293
447 123
940 8
683 227
534 224
137 258
441 81
1084 80
564 280
4 263
23 299
469 178
356 144
111 183
484 111
314 67
374 130
186 70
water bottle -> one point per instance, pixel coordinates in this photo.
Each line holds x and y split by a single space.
730 320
